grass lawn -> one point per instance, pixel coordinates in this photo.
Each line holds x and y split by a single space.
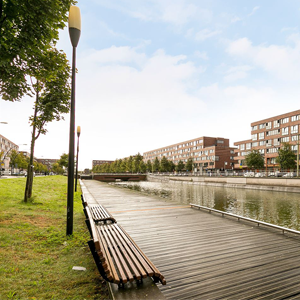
36 256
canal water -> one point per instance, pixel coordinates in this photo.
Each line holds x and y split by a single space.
279 208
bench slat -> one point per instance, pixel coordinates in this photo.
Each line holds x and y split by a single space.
137 268
131 244
123 268
113 274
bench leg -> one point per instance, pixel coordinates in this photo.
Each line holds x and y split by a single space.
155 279
87 222
121 285
97 259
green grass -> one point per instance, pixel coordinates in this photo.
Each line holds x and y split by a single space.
36 256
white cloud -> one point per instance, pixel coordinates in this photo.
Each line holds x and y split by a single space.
235 19
202 35
236 73
201 54
176 12
253 11
282 62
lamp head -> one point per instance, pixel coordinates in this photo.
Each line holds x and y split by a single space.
74 25
78 131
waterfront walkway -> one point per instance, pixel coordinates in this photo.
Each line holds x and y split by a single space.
203 255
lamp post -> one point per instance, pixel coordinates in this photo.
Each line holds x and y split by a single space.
78 135
74 32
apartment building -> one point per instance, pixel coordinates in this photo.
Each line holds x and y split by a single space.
267 135
5 147
101 162
207 153
49 162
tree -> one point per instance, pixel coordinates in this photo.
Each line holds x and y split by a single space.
180 166
129 164
286 157
142 167
164 164
189 164
63 162
171 166
52 98
149 166
13 159
56 168
27 30
254 160
156 165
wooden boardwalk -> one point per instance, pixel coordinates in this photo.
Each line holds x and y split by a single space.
203 255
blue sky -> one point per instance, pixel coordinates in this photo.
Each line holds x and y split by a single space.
156 72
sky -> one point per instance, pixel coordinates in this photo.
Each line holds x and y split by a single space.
153 73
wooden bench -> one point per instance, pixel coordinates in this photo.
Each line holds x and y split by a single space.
117 256
100 214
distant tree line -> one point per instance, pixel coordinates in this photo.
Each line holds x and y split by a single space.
135 164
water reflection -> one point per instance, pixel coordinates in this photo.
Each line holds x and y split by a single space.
278 208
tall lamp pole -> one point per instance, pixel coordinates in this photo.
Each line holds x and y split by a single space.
78 135
74 32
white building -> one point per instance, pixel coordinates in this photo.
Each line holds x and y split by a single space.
5 147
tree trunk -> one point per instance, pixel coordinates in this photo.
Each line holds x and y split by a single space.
29 180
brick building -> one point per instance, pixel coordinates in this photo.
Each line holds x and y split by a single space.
267 135
207 153
101 162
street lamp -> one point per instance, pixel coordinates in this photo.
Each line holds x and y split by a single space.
74 32
78 135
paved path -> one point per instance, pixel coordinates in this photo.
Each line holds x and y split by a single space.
203 255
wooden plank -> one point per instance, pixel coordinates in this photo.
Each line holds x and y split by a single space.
112 272
134 264
116 255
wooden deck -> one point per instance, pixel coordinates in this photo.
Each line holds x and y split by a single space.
204 255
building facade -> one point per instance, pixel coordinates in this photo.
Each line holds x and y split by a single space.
211 153
267 135
49 162
5 147
101 162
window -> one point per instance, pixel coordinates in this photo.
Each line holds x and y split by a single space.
248 146
276 123
261 135
262 143
211 151
276 142
269 125
261 126
294 147
231 151
220 142
294 118
255 144
295 138
272 150
284 120
269 143
254 137
254 127
261 151
242 147
285 139
285 131
273 132
294 129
